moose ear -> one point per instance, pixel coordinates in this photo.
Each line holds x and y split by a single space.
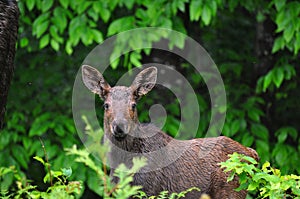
144 82
94 81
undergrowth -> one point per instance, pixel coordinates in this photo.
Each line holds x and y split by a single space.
267 181
60 187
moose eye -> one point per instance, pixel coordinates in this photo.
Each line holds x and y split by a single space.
133 106
105 106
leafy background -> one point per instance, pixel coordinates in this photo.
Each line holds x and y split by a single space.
254 43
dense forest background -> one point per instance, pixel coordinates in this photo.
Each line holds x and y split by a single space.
255 45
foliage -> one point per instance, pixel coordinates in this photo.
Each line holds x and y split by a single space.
55 36
107 189
267 180
61 187
165 194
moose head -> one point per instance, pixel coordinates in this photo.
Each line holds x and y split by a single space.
120 114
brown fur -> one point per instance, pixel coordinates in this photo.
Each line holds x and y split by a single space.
193 163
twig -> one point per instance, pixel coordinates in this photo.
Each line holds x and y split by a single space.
113 189
47 161
105 172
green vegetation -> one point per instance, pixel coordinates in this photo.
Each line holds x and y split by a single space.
254 43
62 188
267 180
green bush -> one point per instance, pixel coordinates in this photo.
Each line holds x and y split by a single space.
63 188
260 74
267 181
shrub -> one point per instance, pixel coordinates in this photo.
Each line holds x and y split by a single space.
267 181
62 187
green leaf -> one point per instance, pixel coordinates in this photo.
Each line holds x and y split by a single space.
262 149
55 36
282 136
44 41
27 142
112 4
231 176
59 19
284 132
98 37
119 25
20 155
114 58
69 48
206 15
36 146
260 131
67 172
129 4
94 182
281 20
30 4
46 5
195 10
278 76
55 174
54 44
38 129
165 23
248 168
95 16
267 80
135 59
266 165
87 37
247 139
235 126
64 3
41 28
289 71
281 156
288 33
297 42
105 15
103 11
279 4
254 114
213 7
75 28
24 42
242 187
232 4
59 130
83 6
39 159
292 132
40 125
46 178
35 194
278 44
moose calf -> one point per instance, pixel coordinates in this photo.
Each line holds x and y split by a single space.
173 165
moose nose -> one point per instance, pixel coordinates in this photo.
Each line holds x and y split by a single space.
119 129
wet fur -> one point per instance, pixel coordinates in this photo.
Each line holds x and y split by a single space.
189 170
193 163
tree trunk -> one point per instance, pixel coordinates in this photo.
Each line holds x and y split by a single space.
9 14
263 48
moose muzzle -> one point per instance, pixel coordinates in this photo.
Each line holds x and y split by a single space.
119 129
